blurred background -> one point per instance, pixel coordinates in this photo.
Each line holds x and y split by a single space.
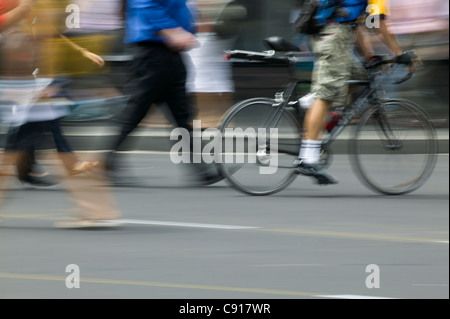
96 96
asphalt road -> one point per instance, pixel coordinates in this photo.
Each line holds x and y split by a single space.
179 241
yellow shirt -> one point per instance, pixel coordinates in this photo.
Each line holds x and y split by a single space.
379 7
375 8
57 57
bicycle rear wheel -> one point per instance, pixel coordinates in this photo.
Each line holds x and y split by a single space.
394 149
254 164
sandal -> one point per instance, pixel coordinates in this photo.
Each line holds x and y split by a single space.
82 167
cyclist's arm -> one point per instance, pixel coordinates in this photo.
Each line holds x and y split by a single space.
389 38
364 42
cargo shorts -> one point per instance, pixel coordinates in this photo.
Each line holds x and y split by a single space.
335 63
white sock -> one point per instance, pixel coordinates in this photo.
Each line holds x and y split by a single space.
310 151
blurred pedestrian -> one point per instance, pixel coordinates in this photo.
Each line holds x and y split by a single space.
302 41
94 207
158 32
19 53
210 77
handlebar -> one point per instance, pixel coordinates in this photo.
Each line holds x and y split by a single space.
405 78
407 58
265 56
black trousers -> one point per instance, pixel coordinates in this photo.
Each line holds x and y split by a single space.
158 75
22 140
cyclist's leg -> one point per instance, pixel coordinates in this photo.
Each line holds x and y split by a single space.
331 72
357 72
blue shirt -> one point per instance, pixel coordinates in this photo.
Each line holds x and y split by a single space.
144 18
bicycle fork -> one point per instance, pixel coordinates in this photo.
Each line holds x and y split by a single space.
392 142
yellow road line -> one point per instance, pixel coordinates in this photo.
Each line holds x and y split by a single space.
364 236
159 284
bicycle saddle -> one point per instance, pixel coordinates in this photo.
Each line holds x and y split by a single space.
280 44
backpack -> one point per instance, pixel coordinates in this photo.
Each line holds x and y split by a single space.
349 10
315 14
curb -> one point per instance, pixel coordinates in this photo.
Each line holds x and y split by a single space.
157 139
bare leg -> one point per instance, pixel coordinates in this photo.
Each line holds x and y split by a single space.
91 197
7 164
7 172
315 118
311 144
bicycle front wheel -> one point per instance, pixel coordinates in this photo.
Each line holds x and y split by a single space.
394 149
258 157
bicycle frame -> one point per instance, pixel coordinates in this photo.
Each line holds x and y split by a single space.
284 98
370 94
350 112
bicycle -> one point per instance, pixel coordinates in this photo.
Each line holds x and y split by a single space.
393 146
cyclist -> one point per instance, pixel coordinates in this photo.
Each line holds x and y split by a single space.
335 65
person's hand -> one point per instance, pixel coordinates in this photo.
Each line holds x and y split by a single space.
178 39
411 59
93 57
416 62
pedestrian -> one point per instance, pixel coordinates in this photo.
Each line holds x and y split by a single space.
158 31
210 77
302 41
94 206
18 51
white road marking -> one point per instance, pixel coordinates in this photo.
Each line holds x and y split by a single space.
180 224
44 216
289 265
